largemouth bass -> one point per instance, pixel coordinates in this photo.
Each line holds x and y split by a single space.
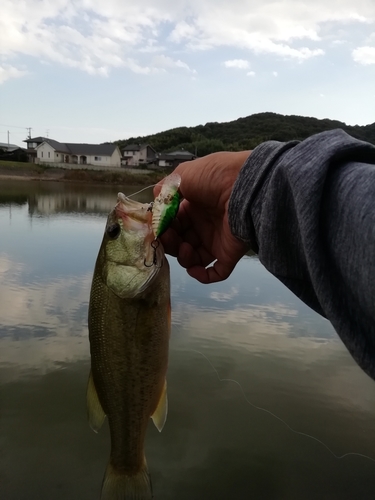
129 329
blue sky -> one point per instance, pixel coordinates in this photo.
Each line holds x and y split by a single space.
95 71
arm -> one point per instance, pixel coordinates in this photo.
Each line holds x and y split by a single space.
308 210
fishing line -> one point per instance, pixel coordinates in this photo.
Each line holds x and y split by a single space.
339 457
143 189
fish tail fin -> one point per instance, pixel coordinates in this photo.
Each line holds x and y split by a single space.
120 486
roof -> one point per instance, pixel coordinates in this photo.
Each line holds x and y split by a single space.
8 147
181 152
82 149
92 149
175 156
57 146
136 147
35 139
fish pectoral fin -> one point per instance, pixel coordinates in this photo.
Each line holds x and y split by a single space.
160 414
95 411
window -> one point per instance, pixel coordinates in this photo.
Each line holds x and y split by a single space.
98 158
49 154
42 154
57 155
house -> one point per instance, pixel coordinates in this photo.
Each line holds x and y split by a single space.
54 152
171 160
32 144
137 154
12 152
8 148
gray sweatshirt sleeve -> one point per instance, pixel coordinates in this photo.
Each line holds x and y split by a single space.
308 209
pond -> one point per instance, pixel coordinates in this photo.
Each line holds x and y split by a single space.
264 400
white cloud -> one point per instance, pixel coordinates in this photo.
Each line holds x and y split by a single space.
162 61
22 307
250 73
237 63
364 55
275 73
224 297
96 36
7 72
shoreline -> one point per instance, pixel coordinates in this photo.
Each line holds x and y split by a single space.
30 172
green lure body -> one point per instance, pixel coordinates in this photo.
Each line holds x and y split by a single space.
165 206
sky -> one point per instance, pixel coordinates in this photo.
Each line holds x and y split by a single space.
102 70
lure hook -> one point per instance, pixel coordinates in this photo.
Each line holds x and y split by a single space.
155 246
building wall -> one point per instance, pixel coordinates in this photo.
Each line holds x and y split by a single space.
150 153
116 158
46 153
99 161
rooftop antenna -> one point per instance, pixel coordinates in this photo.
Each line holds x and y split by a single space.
47 132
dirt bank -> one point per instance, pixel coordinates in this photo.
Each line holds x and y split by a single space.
30 171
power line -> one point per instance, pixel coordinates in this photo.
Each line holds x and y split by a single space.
12 126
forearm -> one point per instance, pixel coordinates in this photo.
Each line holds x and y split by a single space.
308 210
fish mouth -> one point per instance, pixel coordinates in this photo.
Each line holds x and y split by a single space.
134 209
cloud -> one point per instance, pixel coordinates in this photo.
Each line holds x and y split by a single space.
96 36
46 310
275 73
237 63
166 62
250 73
364 55
7 72
224 297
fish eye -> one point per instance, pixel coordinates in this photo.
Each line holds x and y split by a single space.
113 230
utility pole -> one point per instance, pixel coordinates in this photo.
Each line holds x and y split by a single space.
29 129
8 136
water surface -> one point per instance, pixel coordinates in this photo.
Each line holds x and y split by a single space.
236 346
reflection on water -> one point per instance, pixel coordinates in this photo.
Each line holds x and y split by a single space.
49 198
247 339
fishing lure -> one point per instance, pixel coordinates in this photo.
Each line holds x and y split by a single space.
165 206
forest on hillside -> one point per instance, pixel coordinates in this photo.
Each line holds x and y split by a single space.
245 133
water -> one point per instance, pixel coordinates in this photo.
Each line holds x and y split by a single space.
277 354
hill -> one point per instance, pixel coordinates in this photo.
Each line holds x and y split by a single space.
245 133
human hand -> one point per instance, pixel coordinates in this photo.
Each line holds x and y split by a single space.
200 234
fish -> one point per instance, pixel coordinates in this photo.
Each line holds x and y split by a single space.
129 328
166 204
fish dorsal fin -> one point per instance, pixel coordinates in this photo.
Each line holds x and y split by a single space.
160 414
95 411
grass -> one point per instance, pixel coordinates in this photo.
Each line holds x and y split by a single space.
78 175
19 165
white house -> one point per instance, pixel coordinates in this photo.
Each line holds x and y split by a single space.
136 154
100 155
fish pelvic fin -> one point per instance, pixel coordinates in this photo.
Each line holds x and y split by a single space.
95 411
160 414
119 486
